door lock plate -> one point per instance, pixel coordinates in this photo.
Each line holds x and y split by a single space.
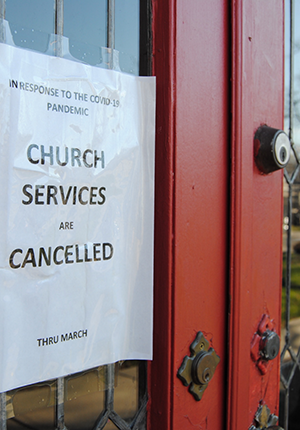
265 344
264 419
197 370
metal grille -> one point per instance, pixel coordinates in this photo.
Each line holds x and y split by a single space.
290 355
107 416
119 400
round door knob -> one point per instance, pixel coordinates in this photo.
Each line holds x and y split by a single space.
203 367
269 345
272 149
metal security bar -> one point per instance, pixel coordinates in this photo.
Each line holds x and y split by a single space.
59 25
108 418
2 16
111 24
110 31
290 355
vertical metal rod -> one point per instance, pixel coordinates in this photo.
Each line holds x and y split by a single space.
288 295
291 92
3 411
59 25
110 386
111 24
110 368
60 407
110 33
290 203
2 16
59 17
286 409
142 381
288 267
145 54
2 9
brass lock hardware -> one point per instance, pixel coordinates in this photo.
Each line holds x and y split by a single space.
264 419
265 344
197 370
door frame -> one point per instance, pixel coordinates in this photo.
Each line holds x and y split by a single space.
188 259
251 36
256 204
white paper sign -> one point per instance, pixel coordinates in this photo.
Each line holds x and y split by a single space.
76 216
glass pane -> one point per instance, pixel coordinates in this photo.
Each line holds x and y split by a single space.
290 322
127 35
37 14
296 105
31 22
84 399
126 389
85 26
85 395
32 407
85 23
110 425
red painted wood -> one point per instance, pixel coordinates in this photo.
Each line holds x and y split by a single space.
201 201
210 227
191 63
160 375
257 98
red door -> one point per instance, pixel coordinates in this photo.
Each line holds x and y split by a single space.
219 68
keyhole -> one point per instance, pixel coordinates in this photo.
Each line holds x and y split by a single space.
282 154
207 375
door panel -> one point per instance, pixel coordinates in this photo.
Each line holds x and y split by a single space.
218 220
257 98
192 70
201 201
208 109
